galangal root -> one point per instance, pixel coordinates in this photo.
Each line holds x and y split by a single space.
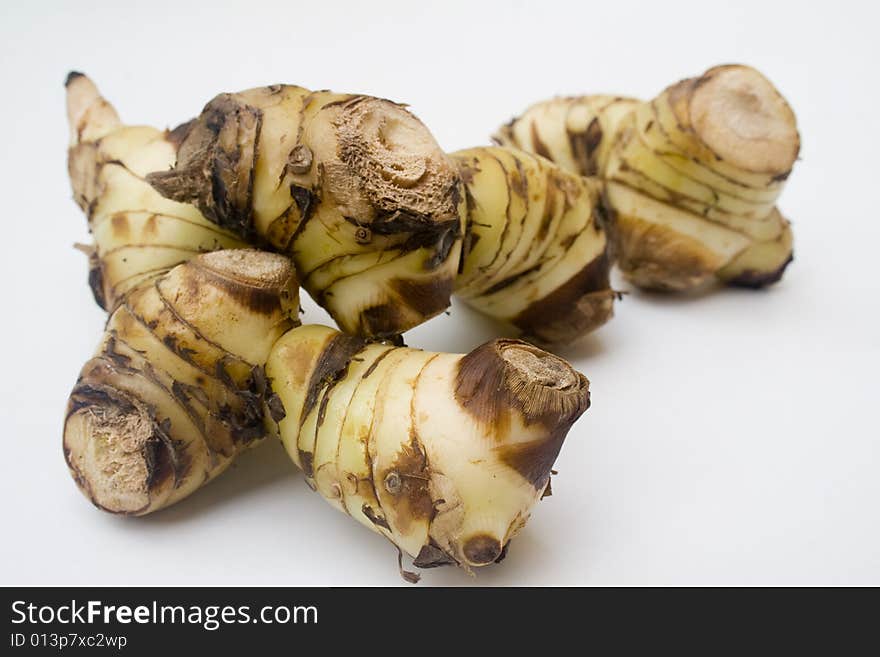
443 454
691 177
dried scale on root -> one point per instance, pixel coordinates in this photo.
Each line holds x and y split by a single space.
138 234
443 454
535 252
692 177
176 389
354 188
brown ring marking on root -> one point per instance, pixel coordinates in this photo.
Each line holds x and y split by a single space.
597 223
331 365
504 376
427 297
406 480
169 339
582 303
539 146
657 257
507 219
755 279
517 183
677 195
247 276
675 150
584 146
330 368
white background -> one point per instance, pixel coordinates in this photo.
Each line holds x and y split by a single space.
733 437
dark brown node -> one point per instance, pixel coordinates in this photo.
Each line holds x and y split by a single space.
363 235
510 280
407 480
482 549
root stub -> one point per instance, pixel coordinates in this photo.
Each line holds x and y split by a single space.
248 267
113 449
174 392
738 113
396 158
540 367
510 374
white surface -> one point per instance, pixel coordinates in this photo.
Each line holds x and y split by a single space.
733 437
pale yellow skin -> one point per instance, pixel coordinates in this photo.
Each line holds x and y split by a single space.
692 176
389 441
137 233
533 228
572 131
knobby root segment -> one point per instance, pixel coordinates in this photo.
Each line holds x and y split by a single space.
692 176
354 188
137 233
357 192
176 389
535 253
443 454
